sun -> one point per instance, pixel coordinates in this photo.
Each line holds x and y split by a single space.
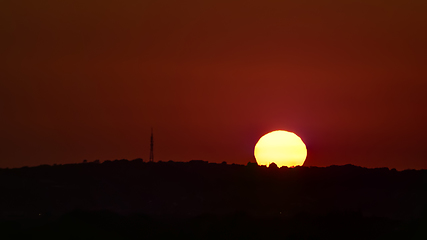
281 147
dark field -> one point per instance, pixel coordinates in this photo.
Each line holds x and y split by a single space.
198 200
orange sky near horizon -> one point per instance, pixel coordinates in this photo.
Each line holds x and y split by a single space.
87 79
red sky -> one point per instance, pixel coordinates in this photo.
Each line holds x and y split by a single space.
87 79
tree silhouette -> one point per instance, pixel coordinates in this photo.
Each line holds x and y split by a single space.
273 166
165 199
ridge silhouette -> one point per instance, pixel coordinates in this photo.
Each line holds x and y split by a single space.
199 199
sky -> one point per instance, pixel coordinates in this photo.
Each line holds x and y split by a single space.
88 79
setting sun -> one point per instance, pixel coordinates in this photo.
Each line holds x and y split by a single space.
281 147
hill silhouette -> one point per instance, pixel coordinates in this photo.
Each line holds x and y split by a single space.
197 199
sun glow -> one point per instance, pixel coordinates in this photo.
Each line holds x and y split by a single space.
281 147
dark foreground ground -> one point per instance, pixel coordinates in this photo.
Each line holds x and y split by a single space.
108 225
199 200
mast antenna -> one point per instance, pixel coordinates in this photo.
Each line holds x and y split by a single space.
151 147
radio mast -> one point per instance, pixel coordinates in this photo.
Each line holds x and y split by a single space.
151 147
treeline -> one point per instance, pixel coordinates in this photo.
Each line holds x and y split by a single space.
189 190
198 187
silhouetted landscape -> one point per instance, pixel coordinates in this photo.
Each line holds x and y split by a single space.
124 199
184 80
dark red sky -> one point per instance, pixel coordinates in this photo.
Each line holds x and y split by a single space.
87 79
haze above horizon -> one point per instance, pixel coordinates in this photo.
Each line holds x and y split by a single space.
87 79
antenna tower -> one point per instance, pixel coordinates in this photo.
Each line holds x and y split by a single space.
151 147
